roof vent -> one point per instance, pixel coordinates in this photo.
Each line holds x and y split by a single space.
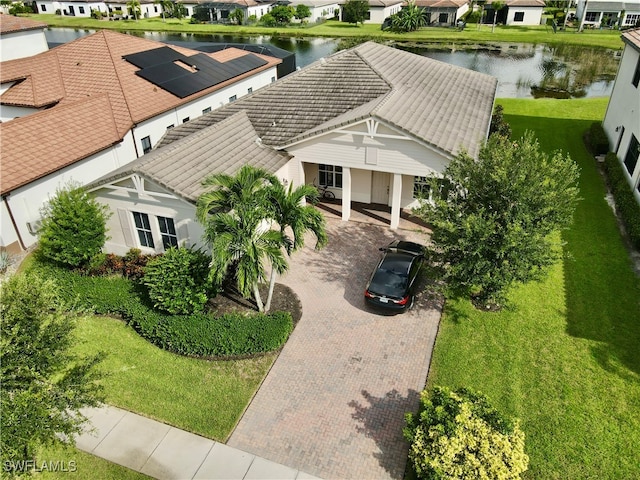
323 60
258 140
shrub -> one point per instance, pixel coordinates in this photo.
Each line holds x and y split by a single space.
177 281
626 204
134 262
499 125
458 434
252 20
598 139
268 20
73 227
228 335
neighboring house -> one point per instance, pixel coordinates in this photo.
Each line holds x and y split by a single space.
84 8
378 10
218 11
92 105
515 12
622 119
443 12
608 13
21 37
320 9
371 122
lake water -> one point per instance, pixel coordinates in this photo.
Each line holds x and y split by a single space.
523 71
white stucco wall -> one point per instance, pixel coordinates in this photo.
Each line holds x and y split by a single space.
22 44
532 15
624 111
8 235
82 9
25 202
378 14
9 112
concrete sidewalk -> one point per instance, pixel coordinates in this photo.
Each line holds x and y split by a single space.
165 452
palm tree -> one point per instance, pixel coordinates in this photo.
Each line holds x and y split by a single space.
237 240
290 212
165 6
246 188
134 7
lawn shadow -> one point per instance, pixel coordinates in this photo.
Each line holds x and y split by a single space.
382 419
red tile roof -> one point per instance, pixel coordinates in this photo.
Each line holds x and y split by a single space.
67 76
11 24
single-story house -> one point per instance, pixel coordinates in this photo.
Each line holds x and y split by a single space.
218 11
371 123
515 12
622 119
21 37
378 10
608 13
320 9
443 12
84 8
87 107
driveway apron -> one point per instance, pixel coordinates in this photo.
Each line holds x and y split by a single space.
333 403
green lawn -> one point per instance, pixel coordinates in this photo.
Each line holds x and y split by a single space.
204 397
566 358
471 34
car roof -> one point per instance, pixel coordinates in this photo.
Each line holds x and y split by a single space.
398 262
410 248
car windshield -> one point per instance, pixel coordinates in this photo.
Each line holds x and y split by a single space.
389 283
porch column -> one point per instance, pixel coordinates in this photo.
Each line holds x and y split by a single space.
346 193
395 200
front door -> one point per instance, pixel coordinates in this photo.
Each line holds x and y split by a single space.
380 187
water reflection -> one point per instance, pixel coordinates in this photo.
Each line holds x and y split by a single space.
523 70
564 71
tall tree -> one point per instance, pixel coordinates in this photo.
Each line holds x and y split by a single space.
73 227
302 12
291 214
492 227
44 385
241 241
355 11
134 8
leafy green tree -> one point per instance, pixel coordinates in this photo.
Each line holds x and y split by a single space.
267 20
458 434
302 12
291 214
499 126
282 13
177 281
492 228
134 8
44 385
73 227
355 11
237 16
409 19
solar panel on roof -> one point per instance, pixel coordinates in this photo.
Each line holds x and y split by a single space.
161 67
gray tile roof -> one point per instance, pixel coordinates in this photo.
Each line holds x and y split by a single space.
444 106
220 148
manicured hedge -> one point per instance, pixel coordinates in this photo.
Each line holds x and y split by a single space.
626 203
598 139
199 334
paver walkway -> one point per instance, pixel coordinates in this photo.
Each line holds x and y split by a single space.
165 452
333 404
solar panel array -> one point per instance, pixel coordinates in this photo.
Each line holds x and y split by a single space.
159 66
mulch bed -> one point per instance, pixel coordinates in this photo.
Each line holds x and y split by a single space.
284 300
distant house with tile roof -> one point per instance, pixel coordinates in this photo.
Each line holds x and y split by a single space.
85 108
370 123
218 11
21 37
320 9
443 12
608 13
622 119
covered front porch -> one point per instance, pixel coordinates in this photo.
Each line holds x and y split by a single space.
372 213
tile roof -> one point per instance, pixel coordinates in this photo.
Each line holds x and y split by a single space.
525 3
441 3
90 66
220 148
632 38
443 106
12 24
80 129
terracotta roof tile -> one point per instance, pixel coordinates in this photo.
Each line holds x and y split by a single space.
90 66
12 24
29 154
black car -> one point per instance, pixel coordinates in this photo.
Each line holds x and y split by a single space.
392 283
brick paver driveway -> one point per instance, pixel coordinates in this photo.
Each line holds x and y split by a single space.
333 404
